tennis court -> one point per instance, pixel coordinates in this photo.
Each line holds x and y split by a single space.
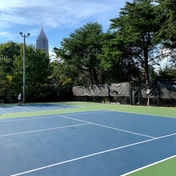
70 140
32 107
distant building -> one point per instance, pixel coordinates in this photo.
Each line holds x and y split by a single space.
42 41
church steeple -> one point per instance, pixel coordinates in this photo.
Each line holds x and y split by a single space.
42 41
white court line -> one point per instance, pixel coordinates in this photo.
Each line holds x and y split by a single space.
23 107
90 155
136 113
89 112
43 116
42 130
149 165
47 116
117 129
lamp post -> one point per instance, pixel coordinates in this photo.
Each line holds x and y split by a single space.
24 64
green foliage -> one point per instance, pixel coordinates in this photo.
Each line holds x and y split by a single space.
128 51
137 26
167 16
61 79
116 59
10 51
80 52
4 76
37 67
167 32
38 71
167 73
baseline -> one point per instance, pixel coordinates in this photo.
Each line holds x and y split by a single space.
90 155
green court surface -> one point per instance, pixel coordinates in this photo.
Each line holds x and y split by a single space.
162 168
87 106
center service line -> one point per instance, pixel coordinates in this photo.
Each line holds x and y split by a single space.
117 129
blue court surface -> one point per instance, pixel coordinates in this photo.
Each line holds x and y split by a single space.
32 107
95 143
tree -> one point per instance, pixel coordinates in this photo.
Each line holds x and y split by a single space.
167 32
117 60
167 17
81 50
38 71
5 78
137 26
63 79
10 51
167 73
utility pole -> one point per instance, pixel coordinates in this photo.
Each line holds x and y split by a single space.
24 64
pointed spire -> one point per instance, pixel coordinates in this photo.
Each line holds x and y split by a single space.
42 41
42 34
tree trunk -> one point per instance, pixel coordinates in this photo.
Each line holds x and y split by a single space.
95 76
91 77
146 70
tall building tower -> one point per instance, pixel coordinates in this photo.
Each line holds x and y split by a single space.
42 41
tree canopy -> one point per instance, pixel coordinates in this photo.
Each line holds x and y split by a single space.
137 26
11 70
81 51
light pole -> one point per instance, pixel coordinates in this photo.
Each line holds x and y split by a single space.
24 64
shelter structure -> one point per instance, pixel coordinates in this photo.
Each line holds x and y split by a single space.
162 93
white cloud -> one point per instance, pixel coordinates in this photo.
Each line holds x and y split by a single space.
52 12
62 15
8 35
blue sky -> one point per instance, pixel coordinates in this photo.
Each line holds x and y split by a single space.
58 18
